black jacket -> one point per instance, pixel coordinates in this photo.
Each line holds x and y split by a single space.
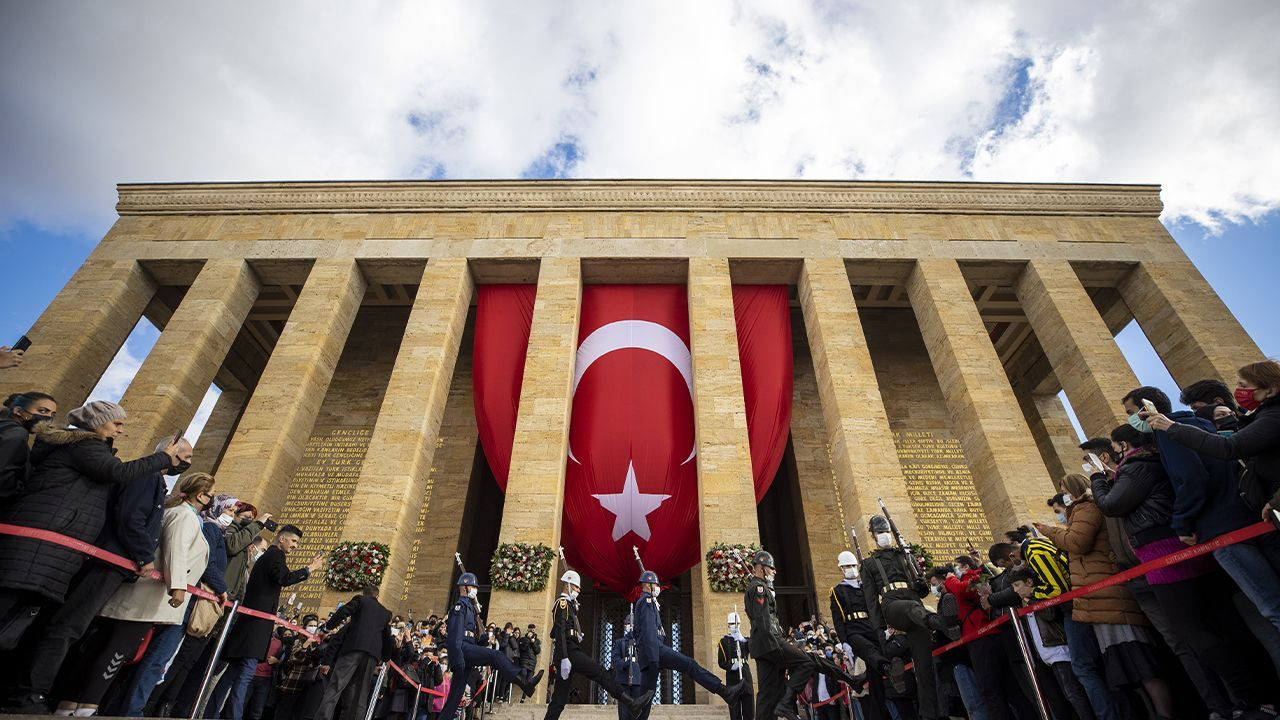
1257 443
530 649
368 630
510 646
250 636
67 493
1141 494
14 447
135 513
762 610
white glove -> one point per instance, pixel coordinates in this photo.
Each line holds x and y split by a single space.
565 667
736 665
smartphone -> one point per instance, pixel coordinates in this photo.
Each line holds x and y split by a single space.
1275 518
395 632
1097 462
1150 407
23 343
271 525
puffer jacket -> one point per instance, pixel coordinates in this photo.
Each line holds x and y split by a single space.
1256 444
1091 559
73 474
1141 494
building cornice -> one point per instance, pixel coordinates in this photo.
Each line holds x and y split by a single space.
430 196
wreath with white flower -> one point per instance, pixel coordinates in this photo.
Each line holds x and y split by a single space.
353 565
729 566
522 567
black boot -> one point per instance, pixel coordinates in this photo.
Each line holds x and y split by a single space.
530 684
30 704
732 693
636 705
787 706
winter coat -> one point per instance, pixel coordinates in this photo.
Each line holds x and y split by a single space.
135 515
238 538
67 492
368 632
215 573
1206 494
14 448
510 646
250 636
182 558
1256 442
530 649
1091 559
1141 494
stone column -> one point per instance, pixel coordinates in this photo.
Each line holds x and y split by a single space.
1189 326
863 455
217 430
392 484
1079 346
81 331
178 371
277 422
726 485
1007 469
534 505
1055 437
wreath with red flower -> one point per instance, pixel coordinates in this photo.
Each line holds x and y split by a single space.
729 566
523 567
353 565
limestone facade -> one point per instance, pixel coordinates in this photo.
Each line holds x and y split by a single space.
936 324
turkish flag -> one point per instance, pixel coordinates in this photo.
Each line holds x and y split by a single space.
632 477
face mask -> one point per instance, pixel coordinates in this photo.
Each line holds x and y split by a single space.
959 569
936 590
1230 423
1062 518
884 539
30 425
827 653
768 579
1088 468
472 593
1245 399
312 629
1067 499
851 573
733 628
573 595
1139 424
225 520
178 469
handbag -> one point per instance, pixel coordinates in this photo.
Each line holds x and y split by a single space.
205 614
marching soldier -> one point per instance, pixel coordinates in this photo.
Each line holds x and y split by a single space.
566 631
653 654
773 653
851 615
463 626
892 574
626 666
732 657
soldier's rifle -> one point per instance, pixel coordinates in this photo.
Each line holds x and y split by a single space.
457 558
857 546
902 541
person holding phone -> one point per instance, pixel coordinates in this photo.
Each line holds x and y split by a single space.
18 422
13 356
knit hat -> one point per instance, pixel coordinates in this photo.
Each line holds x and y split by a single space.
95 413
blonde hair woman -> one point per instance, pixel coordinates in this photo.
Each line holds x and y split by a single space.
136 608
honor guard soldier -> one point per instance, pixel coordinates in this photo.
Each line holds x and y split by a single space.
895 578
626 666
463 625
570 660
732 657
773 653
851 615
654 655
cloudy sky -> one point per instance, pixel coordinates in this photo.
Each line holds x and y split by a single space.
1179 93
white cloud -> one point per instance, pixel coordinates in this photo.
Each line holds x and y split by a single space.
125 364
1175 92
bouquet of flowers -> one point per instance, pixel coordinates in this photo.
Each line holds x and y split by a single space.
523 567
729 566
353 565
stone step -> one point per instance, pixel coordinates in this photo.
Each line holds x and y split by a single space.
532 711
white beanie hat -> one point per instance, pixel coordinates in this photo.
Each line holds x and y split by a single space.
95 413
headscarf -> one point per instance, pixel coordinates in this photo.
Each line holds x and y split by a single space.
217 507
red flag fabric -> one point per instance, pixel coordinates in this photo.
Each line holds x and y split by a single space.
504 314
763 318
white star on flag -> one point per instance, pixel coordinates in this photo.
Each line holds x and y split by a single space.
631 507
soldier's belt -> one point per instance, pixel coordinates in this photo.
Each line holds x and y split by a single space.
856 616
895 586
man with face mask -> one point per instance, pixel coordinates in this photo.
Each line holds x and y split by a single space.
653 654
463 629
568 656
732 657
18 422
892 575
851 615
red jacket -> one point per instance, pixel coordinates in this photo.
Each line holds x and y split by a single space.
971 615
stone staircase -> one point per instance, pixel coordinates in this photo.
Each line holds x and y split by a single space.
531 711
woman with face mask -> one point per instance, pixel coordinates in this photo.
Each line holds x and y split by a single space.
1114 640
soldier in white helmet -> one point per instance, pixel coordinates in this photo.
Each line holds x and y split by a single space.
569 658
732 658
851 615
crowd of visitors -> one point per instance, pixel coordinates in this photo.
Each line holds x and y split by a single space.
1199 638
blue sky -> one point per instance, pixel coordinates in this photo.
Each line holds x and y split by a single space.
989 90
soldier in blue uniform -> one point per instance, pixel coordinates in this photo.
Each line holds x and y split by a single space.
463 625
732 656
653 654
566 631
625 667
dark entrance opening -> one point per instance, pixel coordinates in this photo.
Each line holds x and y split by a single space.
782 532
481 525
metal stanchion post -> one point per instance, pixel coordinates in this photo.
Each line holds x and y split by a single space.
417 696
202 699
1028 655
377 685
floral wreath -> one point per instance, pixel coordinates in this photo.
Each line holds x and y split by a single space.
354 565
729 566
522 567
